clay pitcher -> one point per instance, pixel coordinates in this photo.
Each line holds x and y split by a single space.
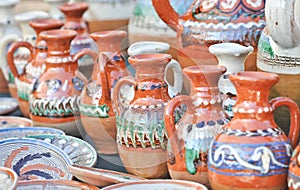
232 56
53 102
252 152
33 70
279 53
204 118
96 111
139 103
209 22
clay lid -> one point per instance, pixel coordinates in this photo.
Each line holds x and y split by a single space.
58 34
74 9
117 35
45 24
254 78
150 58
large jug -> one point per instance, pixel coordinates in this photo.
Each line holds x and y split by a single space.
208 22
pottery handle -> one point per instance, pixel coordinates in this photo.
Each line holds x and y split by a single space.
169 119
294 116
176 68
10 55
167 13
85 51
4 43
119 105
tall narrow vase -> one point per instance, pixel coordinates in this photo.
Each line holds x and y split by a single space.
53 102
252 152
204 118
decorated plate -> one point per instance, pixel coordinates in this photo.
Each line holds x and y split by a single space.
8 178
33 159
101 177
14 121
54 184
158 184
80 152
27 131
8 105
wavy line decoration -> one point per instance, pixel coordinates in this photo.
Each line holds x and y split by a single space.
32 159
261 159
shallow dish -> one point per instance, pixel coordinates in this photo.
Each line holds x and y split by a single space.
33 159
8 105
8 178
101 177
14 121
158 184
21 132
54 184
80 152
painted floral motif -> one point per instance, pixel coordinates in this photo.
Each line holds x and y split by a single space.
94 111
53 84
228 4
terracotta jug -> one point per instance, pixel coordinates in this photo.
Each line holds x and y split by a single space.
74 21
279 53
9 32
208 22
294 170
190 137
96 111
232 56
139 103
252 152
53 102
33 70
153 47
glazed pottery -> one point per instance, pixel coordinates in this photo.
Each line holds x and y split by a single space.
53 101
153 47
8 178
96 111
141 134
80 152
34 68
33 159
294 170
73 21
20 132
252 152
279 53
232 56
101 177
158 185
14 121
203 120
146 25
8 105
208 22
9 32
53 184
54 11
21 56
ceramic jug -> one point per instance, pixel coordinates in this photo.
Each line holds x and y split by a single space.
252 152
146 25
153 47
22 54
74 21
53 101
294 170
54 11
9 32
208 22
141 133
232 56
96 111
204 118
279 52
36 67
